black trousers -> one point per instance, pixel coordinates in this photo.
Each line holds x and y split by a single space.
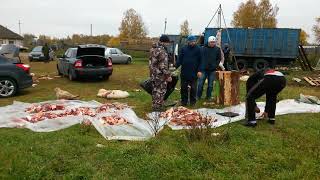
271 86
185 95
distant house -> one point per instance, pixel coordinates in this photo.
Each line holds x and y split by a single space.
9 37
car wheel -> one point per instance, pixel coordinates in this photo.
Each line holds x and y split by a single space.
129 60
8 87
106 77
59 73
71 76
242 64
260 64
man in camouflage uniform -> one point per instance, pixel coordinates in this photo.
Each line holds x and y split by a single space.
159 72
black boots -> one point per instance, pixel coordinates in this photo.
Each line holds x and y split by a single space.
271 121
250 123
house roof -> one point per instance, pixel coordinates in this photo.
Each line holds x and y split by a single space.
5 33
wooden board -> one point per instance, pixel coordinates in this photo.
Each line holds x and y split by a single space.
312 81
229 87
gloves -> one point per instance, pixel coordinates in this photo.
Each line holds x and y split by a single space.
221 66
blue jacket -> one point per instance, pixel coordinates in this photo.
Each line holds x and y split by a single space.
189 60
210 58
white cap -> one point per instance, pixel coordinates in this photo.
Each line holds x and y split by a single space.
212 38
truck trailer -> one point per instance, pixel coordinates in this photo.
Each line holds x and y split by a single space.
259 47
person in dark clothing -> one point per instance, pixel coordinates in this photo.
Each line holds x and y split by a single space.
210 60
226 52
189 60
45 51
269 82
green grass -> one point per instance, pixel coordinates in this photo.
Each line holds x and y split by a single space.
288 150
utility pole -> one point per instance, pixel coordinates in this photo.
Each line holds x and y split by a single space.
165 26
219 16
19 27
90 29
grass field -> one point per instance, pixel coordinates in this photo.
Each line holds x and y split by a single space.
288 150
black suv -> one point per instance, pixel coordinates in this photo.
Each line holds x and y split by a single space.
13 76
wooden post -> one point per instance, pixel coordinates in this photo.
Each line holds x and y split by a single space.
229 87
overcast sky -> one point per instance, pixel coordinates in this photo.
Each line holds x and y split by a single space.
60 18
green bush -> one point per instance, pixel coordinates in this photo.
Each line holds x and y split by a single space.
313 58
137 54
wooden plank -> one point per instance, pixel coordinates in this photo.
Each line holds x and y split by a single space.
316 81
309 81
229 87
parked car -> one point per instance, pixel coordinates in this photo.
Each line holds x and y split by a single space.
14 76
118 56
37 54
10 51
85 61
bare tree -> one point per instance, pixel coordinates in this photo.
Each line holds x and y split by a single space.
316 29
156 123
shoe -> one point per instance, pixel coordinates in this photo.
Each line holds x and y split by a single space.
158 109
272 121
183 104
250 123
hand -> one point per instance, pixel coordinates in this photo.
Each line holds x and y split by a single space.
169 79
199 74
257 110
221 66
264 115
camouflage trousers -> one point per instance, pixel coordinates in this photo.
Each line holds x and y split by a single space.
159 90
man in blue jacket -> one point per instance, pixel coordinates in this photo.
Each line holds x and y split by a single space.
189 60
210 61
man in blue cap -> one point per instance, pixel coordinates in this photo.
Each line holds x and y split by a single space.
189 60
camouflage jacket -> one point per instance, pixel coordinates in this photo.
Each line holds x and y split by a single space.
158 63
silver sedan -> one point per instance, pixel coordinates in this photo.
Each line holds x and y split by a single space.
118 57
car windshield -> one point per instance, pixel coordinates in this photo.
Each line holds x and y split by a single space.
37 49
119 52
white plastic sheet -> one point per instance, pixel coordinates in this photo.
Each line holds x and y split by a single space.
289 106
11 116
138 129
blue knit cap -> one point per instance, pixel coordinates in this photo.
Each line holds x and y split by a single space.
191 38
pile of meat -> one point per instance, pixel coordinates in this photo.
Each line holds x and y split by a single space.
113 120
45 111
44 108
182 116
108 106
39 115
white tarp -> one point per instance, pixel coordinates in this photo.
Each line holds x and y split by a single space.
137 129
11 116
289 106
